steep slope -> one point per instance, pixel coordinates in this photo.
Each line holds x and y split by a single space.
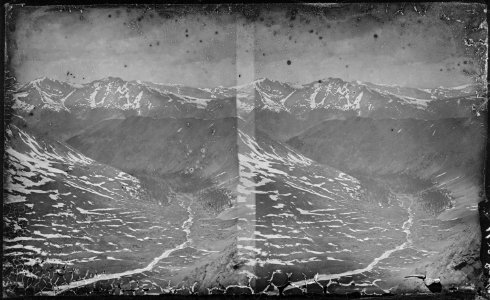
190 152
311 218
49 104
445 154
308 105
109 93
61 207
384 147
63 110
72 223
436 165
282 197
361 201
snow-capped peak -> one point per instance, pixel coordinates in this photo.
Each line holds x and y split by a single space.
260 94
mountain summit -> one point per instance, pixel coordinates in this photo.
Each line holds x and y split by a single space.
331 94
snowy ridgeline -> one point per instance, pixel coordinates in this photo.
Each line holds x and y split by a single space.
263 94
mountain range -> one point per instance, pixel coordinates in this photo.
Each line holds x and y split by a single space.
283 109
350 186
143 98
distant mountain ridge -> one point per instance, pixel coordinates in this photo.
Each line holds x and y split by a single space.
145 98
235 182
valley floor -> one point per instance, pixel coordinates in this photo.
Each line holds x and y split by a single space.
74 226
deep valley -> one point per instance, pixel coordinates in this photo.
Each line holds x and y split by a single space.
130 187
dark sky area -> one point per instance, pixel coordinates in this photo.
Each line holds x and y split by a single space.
420 46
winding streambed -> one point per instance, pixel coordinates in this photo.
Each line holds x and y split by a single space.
406 226
406 229
75 284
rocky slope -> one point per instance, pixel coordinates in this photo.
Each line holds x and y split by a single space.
49 104
70 220
374 183
437 163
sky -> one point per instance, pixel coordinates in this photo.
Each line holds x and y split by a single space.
418 46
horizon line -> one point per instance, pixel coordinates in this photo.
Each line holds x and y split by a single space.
291 84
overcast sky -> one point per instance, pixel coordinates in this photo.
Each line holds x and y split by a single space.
212 49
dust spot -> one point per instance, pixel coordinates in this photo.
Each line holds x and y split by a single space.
375 36
288 62
292 15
